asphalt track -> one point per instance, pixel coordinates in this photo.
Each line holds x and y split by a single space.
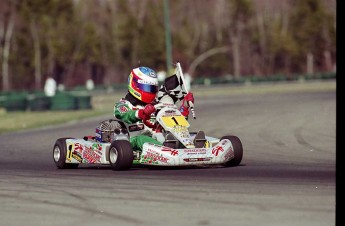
287 175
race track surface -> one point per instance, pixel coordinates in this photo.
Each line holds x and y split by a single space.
287 175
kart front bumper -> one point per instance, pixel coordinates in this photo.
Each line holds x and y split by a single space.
164 156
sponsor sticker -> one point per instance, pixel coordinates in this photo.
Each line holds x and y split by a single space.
91 156
173 152
147 82
216 150
197 159
229 155
153 158
195 151
77 156
123 109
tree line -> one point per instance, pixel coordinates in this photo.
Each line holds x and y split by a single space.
102 40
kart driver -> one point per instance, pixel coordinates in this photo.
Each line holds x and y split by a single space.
137 105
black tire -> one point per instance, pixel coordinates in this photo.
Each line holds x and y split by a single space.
59 155
238 150
120 155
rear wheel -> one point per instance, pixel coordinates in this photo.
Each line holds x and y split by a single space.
120 155
238 150
60 153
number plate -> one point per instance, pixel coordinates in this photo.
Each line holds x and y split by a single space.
176 120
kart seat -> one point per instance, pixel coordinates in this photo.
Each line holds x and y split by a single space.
199 139
171 141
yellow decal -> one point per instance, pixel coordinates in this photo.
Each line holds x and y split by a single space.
176 120
181 129
207 144
70 148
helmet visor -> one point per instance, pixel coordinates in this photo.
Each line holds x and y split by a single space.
148 88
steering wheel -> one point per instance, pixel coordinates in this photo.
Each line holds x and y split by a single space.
158 106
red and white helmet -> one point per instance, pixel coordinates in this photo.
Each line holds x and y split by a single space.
143 84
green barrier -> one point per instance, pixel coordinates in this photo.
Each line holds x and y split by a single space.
39 102
15 102
63 101
83 101
323 76
2 100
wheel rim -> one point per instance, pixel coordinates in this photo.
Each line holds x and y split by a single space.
113 155
57 153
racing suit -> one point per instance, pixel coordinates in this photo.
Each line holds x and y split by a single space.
127 110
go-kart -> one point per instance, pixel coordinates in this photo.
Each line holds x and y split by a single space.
179 147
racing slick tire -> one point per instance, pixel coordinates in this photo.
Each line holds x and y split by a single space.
59 155
120 155
238 151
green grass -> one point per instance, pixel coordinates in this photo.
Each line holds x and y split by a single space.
103 104
14 121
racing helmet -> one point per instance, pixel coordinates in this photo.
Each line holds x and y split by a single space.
143 84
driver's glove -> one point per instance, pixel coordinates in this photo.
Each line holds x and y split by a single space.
189 97
184 109
144 114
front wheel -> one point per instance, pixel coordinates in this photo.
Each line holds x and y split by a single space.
120 155
238 150
60 153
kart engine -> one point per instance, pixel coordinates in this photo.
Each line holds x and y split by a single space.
109 129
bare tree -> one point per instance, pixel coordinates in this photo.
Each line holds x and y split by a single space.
240 14
206 55
138 11
8 31
37 53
